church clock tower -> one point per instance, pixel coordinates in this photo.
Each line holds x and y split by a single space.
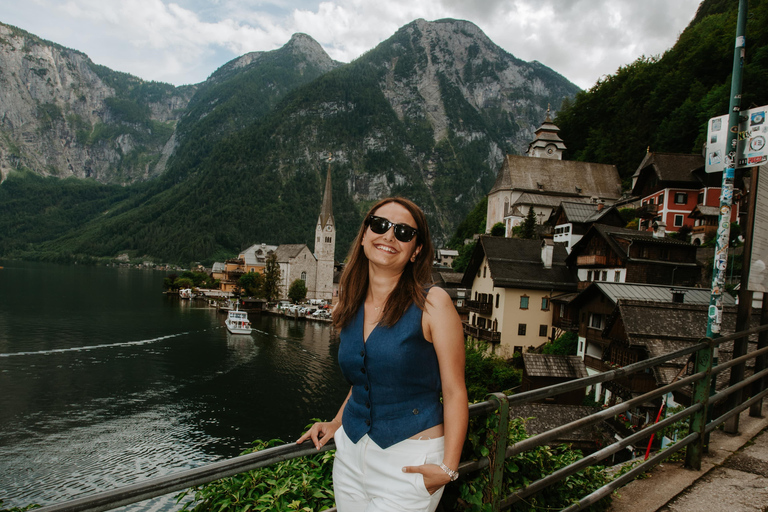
325 243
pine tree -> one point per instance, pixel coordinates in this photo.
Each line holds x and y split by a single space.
272 279
529 225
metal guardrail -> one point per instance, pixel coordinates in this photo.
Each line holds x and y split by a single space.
499 404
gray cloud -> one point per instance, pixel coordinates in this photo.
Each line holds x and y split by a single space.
184 41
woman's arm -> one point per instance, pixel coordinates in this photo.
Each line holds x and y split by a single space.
442 327
323 431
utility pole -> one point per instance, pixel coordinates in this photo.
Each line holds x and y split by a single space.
715 314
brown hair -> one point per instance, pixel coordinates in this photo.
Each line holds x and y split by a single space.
410 289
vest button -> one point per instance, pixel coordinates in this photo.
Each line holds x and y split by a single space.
368 405
362 370
368 422
362 353
415 411
366 387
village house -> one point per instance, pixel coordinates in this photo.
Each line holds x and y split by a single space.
608 253
512 281
542 180
590 311
572 220
451 282
445 257
671 186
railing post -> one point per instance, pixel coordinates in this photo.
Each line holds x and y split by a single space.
760 361
497 449
698 420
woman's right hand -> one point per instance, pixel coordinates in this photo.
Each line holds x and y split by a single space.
320 433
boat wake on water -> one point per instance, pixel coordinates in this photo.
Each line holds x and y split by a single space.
104 345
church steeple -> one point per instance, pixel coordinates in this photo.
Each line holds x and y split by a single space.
548 143
325 242
326 212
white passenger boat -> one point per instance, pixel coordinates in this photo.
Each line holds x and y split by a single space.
237 322
185 293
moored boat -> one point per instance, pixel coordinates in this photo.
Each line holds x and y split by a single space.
185 293
237 322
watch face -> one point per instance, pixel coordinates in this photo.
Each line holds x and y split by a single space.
757 143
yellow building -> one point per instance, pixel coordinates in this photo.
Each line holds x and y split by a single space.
512 282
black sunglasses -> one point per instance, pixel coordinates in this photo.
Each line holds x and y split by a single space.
380 225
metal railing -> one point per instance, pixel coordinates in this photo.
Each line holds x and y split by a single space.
499 404
482 334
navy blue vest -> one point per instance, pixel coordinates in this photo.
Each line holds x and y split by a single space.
395 380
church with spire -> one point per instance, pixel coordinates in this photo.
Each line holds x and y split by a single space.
296 261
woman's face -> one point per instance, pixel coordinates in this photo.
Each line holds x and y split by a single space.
385 249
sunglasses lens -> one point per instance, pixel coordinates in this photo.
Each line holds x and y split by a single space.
379 225
404 233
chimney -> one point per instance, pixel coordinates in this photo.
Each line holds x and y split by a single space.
547 248
678 295
659 229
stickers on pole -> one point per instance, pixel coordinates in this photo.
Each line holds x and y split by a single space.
751 137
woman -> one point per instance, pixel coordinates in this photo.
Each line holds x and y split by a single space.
402 347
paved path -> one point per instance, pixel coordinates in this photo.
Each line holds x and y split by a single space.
733 477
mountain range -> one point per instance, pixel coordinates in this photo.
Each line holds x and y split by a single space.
199 172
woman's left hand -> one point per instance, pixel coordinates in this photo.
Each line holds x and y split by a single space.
434 477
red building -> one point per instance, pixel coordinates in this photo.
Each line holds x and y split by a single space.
671 186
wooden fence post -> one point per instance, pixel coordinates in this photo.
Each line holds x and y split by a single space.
497 450
698 421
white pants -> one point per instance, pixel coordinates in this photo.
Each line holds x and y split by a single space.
367 478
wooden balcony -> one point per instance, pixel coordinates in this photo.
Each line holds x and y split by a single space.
596 364
482 334
591 259
703 229
484 308
647 211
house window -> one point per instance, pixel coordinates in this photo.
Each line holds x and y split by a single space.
678 220
617 276
681 197
650 201
484 269
542 330
596 321
700 200
605 275
521 329
545 303
497 301
304 276
589 275
661 199
524 302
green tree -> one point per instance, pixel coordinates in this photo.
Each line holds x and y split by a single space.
528 227
565 345
498 229
183 282
272 279
461 262
252 284
297 292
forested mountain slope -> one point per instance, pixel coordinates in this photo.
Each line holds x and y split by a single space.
663 103
429 113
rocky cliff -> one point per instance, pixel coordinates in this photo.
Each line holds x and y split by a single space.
62 115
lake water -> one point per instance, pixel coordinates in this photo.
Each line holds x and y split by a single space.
106 381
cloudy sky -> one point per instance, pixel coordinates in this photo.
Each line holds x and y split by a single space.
184 41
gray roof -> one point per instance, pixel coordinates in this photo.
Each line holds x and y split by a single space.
219 267
671 166
564 176
257 253
655 293
516 263
705 211
287 251
545 417
543 199
551 365
451 277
